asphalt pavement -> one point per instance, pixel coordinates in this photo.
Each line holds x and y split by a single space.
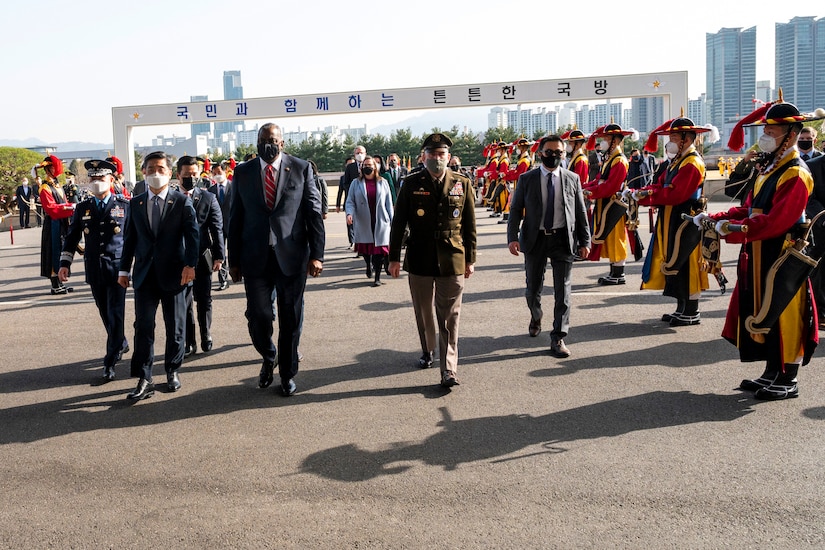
639 439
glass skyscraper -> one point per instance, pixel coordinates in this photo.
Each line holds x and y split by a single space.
731 76
232 89
202 127
800 62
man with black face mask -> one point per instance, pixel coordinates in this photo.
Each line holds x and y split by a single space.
276 239
548 219
211 251
807 144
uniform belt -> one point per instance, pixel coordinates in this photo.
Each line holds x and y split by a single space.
557 231
444 234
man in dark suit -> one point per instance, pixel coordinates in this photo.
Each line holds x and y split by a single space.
210 253
548 219
816 204
24 195
276 239
101 219
394 174
807 144
161 237
222 189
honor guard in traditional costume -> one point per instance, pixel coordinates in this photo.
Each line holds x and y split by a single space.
610 239
574 147
438 206
524 161
119 186
673 262
101 220
56 213
497 176
772 314
490 172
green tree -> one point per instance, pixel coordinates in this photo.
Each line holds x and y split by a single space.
16 162
244 150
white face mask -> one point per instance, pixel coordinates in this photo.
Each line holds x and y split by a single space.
219 179
157 181
568 148
359 157
99 187
604 145
768 144
671 149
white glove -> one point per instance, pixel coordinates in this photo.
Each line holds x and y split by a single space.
636 194
625 192
720 228
698 218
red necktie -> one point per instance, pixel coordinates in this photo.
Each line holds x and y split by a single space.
270 186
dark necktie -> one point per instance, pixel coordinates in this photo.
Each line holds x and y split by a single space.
270 186
99 204
220 193
155 214
805 156
551 203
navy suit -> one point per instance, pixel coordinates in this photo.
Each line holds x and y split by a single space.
272 249
104 230
223 274
526 217
24 199
210 231
159 261
816 204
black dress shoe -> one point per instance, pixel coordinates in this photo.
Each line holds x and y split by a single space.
683 320
173 381
189 350
288 387
775 392
426 360
145 389
558 349
206 344
223 286
108 373
534 329
448 379
266 375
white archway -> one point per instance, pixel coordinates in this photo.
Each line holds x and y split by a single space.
672 86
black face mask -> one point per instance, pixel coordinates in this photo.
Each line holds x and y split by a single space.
805 144
189 183
268 151
551 162
367 170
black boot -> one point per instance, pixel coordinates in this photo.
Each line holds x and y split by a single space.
690 315
367 260
784 387
377 263
765 379
680 307
58 288
616 276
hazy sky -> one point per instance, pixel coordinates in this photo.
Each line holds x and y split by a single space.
66 64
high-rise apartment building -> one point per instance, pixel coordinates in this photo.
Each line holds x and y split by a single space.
731 76
647 113
800 62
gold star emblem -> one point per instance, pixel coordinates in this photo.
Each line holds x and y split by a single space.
135 115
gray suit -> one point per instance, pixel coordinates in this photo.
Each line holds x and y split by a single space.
526 218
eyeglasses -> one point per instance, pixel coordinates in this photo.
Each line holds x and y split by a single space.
552 153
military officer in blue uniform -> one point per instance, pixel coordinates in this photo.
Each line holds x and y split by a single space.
101 220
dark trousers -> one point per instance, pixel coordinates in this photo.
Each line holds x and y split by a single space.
173 304
288 293
557 249
25 214
110 299
200 293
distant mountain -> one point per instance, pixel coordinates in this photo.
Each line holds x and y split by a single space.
61 145
473 119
